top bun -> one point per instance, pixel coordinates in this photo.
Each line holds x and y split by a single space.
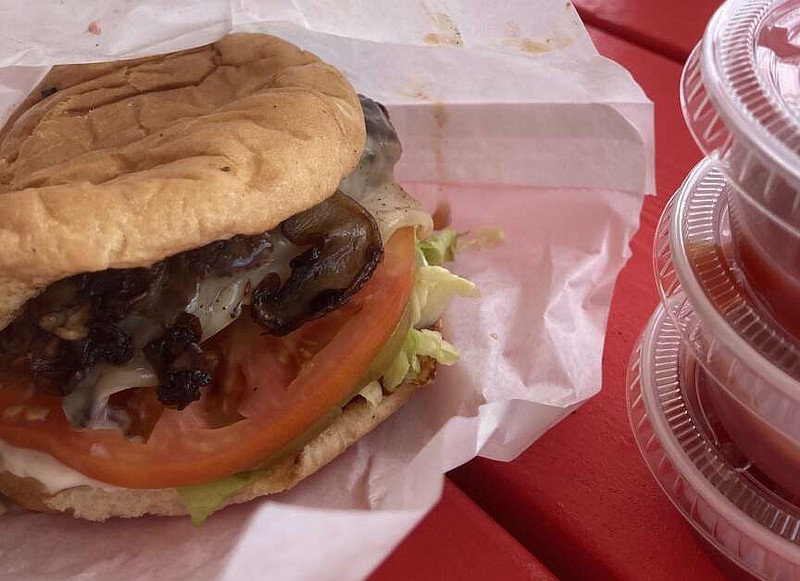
119 165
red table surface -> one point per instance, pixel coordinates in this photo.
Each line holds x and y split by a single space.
457 540
667 27
581 498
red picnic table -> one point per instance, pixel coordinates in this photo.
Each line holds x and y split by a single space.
580 503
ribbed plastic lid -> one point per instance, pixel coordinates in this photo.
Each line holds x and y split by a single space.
741 100
717 491
704 292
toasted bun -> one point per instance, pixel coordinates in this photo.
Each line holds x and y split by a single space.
129 162
358 418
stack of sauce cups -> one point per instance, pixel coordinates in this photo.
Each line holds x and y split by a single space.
714 382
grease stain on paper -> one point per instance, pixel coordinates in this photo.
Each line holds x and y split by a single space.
530 46
527 45
443 214
447 33
416 89
440 117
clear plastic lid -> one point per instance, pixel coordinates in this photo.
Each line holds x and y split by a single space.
741 100
723 498
708 299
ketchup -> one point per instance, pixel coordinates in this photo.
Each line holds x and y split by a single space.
769 257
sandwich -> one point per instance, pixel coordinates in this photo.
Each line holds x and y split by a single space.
210 284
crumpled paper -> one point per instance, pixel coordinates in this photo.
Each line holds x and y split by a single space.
510 114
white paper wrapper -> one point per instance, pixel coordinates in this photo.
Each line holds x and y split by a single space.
507 111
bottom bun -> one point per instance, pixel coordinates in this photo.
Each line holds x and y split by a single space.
358 418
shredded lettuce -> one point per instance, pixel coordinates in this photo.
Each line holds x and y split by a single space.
434 287
430 343
439 247
203 499
418 343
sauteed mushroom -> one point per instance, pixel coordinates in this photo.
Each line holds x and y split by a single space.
344 247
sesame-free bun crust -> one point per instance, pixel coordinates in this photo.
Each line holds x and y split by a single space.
358 418
129 162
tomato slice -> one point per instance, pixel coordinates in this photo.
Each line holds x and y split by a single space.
283 387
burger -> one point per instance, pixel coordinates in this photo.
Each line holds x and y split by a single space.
210 284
